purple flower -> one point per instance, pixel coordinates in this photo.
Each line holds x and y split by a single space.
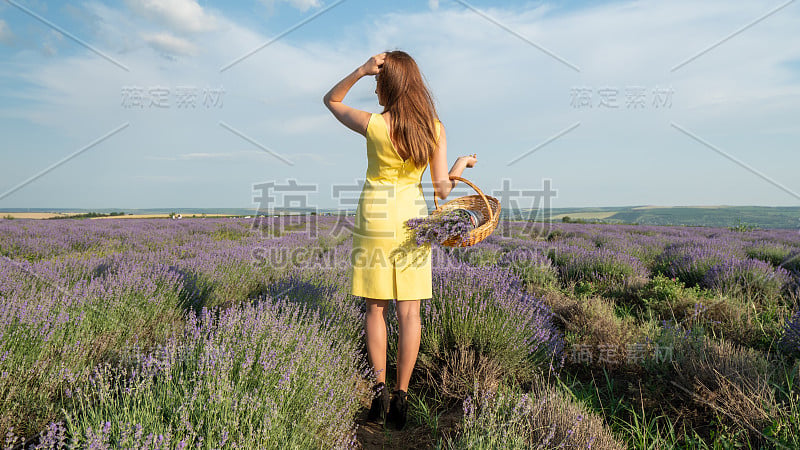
438 228
790 340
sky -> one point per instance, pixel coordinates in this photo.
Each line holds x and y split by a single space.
184 103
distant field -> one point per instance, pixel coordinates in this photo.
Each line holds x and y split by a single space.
157 216
706 216
35 215
659 207
44 215
586 215
766 217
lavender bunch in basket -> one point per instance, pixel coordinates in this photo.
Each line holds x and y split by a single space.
438 228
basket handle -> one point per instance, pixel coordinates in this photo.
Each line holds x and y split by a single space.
453 177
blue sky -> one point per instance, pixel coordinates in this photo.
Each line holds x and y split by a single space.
616 103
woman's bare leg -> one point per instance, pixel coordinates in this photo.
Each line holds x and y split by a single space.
408 343
376 336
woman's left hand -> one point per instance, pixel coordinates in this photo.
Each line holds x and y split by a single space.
374 64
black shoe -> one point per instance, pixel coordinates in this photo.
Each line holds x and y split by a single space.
380 404
398 409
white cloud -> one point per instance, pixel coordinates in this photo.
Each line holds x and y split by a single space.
319 158
209 156
51 42
304 124
169 44
6 36
179 15
302 5
176 178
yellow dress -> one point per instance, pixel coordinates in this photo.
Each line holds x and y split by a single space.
385 262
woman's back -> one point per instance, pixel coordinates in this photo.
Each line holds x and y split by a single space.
384 161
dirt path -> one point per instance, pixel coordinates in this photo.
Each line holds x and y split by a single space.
373 436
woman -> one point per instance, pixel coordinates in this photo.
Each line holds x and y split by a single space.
401 141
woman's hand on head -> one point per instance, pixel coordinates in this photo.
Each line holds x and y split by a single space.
470 159
374 64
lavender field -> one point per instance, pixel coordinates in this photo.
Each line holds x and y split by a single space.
230 333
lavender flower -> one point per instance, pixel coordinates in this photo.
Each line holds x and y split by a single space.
438 228
790 340
750 277
137 309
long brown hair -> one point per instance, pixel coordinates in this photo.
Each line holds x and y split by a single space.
410 103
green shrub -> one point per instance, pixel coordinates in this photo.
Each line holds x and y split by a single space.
535 270
661 288
599 265
509 418
772 252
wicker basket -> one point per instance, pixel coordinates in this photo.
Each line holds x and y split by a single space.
488 206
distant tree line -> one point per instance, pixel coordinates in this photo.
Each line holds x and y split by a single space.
568 219
90 215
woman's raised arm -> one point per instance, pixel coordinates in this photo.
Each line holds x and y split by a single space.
355 119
